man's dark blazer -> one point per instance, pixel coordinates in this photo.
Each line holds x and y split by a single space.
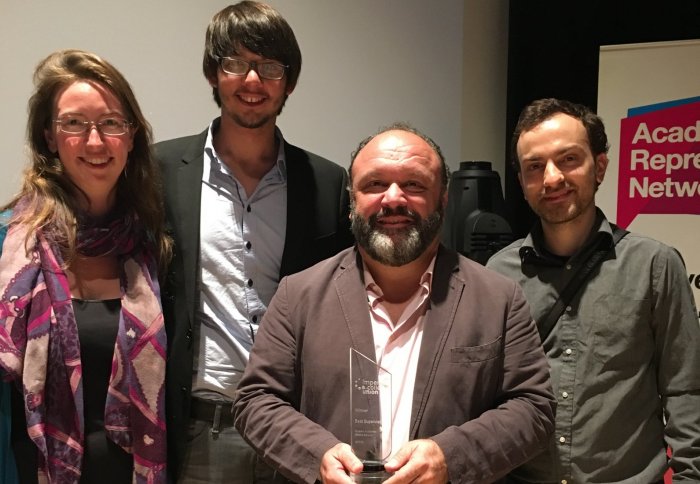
317 227
482 390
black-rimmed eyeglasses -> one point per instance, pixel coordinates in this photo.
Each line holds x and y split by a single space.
265 69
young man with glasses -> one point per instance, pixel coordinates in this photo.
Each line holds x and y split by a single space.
245 208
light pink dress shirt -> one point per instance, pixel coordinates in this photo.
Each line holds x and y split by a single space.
397 349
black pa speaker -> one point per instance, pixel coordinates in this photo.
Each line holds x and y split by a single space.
475 224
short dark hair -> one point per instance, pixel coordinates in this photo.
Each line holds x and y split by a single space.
542 109
254 26
403 126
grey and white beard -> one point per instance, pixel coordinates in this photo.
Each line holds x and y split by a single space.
395 247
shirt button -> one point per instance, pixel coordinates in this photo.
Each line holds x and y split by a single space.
562 440
568 309
248 208
250 283
565 394
568 351
248 245
568 268
255 318
563 481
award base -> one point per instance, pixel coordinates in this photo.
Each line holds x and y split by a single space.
372 473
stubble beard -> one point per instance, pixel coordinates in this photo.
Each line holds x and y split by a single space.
558 215
254 120
554 215
395 247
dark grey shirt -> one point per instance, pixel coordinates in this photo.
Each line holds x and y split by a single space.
624 357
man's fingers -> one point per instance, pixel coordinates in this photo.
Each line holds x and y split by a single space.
337 462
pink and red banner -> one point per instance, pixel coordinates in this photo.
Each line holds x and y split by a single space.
659 170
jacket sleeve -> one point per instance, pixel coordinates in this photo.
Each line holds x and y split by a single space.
8 473
265 408
518 426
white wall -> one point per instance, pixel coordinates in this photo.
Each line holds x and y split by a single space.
485 82
366 63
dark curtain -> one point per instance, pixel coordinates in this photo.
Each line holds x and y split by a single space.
553 50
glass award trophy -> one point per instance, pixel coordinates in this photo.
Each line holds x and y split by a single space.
370 417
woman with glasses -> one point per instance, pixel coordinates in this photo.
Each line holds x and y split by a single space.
81 329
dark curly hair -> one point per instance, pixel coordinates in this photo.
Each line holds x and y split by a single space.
538 111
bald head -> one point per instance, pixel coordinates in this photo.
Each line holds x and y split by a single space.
396 129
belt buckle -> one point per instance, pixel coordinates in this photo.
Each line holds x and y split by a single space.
216 421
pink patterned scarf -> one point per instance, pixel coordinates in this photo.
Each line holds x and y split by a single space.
39 347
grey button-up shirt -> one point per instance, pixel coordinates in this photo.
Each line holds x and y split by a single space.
624 357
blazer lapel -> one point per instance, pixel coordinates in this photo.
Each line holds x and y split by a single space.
353 302
445 295
300 207
188 199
